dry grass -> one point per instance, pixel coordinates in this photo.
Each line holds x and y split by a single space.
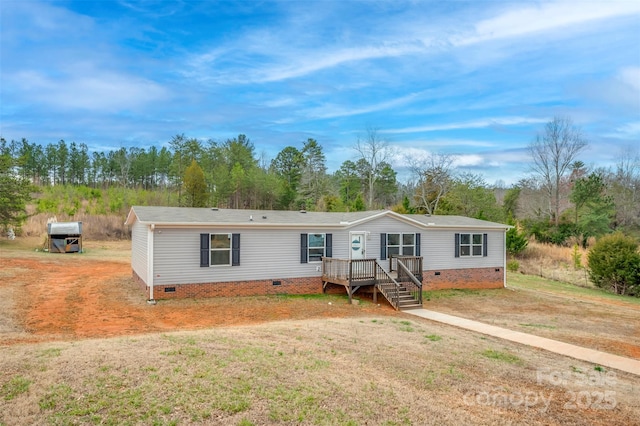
94 227
558 263
376 370
586 317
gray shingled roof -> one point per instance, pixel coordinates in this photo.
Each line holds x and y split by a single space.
208 216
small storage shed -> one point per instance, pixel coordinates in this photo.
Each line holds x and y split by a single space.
65 237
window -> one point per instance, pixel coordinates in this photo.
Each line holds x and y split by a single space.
401 244
220 247
313 247
316 247
471 245
219 250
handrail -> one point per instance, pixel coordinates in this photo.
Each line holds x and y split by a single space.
383 279
356 272
416 289
413 263
351 270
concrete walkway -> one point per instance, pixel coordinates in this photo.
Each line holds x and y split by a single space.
601 358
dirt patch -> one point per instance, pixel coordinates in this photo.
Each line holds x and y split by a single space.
48 296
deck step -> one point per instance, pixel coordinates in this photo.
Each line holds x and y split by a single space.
409 307
405 299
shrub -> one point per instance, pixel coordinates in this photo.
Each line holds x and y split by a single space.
513 265
614 263
516 241
576 256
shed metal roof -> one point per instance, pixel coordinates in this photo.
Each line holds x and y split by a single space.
187 216
64 228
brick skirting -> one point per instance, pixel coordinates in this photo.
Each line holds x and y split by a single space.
472 278
308 285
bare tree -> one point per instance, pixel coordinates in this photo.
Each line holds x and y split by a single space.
434 179
553 152
375 151
624 185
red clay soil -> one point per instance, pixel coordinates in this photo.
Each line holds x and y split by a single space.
70 296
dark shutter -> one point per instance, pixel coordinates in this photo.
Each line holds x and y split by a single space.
304 245
484 245
383 246
417 251
235 249
456 242
204 250
328 241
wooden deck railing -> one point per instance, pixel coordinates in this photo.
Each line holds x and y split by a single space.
355 273
388 286
349 272
413 263
409 280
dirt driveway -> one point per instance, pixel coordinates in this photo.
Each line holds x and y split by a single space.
45 296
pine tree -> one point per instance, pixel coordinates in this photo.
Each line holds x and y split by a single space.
195 187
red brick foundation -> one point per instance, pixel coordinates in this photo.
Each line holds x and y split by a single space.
484 278
308 285
475 278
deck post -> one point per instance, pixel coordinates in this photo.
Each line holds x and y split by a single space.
349 289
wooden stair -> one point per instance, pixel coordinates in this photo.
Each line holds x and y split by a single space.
405 299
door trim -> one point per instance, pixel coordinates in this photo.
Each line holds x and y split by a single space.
363 235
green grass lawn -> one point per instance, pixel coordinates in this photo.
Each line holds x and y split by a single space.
533 282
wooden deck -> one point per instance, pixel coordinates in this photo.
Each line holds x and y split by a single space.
401 285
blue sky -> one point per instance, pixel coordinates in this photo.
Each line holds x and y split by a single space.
473 79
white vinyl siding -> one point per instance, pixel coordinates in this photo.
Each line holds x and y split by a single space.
275 253
439 251
139 250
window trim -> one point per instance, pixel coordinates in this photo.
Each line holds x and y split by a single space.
401 246
309 247
206 250
482 245
229 249
304 246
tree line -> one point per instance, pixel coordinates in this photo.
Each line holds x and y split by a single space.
562 199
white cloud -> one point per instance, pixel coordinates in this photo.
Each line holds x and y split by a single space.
474 124
333 111
546 17
631 77
626 131
466 160
97 91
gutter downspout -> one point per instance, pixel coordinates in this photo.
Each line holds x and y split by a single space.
152 228
504 258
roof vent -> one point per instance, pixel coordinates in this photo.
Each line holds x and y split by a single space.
303 211
215 209
427 214
264 217
251 218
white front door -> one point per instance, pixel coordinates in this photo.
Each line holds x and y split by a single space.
357 245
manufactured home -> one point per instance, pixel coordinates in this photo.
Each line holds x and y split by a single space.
211 252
